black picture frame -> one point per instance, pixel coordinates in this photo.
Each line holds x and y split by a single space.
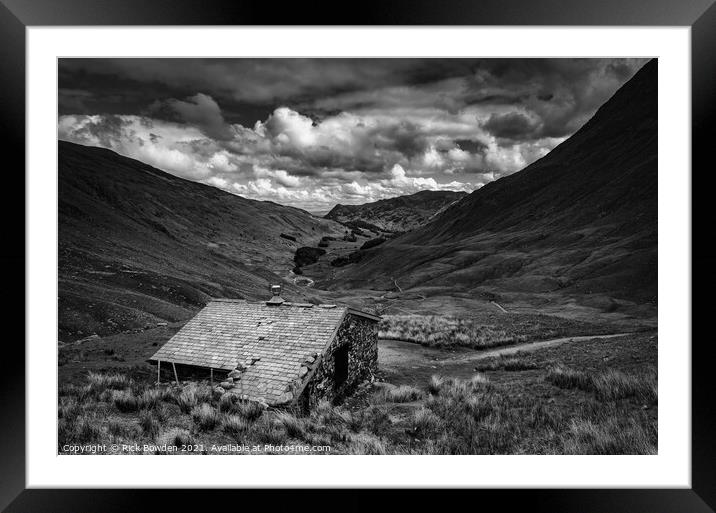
17 15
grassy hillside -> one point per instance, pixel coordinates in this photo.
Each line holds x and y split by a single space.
580 222
138 246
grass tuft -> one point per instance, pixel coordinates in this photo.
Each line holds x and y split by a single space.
250 410
566 377
68 408
187 399
234 425
435 384
149 423
364 443
175 436
425 423
125 401
226 403
121 429
402 394
205 417
150 398
84 430
268 432
291 424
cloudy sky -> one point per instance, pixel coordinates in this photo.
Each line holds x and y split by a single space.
315 132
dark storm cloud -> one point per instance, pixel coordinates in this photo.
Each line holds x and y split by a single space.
512 125
201 111
316 131
405 138
249 89
471 146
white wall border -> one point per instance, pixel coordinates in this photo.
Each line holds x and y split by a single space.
671 467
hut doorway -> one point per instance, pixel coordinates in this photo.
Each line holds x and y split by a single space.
340 357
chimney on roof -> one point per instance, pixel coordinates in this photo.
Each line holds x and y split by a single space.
276 299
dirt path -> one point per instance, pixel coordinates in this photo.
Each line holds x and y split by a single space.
531 346
410 363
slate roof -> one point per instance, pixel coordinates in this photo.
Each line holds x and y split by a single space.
272 341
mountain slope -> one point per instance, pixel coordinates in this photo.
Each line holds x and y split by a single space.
399 214
137 245
582 220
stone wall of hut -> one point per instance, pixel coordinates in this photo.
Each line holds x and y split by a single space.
360 335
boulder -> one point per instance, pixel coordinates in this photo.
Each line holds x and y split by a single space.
302 371
94 336
235 374
286 397
382 385
226 385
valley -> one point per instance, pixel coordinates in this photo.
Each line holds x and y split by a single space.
571 236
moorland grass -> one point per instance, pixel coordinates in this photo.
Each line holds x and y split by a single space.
441 331
452 416
482 331
113 381
608 385
612 385
610 436
507 363
518 363
402 394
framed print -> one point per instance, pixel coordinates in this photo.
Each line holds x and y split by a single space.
411 249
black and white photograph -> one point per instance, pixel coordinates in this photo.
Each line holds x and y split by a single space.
383 256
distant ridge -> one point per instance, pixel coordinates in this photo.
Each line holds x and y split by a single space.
399 214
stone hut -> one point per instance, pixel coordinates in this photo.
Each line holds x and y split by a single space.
277 352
